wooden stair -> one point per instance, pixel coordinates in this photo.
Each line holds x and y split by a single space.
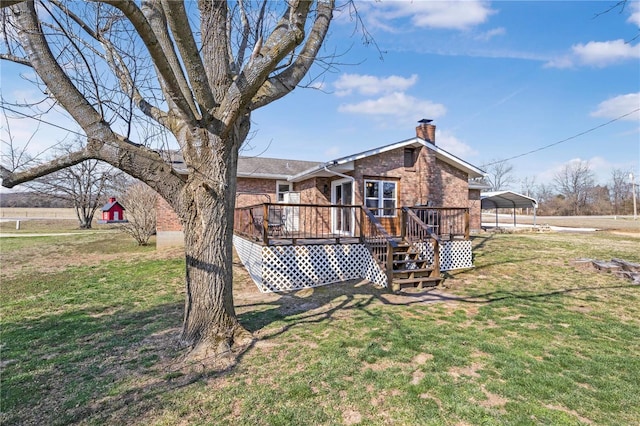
409 270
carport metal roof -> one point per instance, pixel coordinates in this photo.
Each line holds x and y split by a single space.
507 200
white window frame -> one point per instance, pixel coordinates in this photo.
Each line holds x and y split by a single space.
280 194
380 208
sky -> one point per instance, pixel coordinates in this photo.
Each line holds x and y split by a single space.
500 79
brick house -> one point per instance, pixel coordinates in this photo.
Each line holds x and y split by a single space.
412 172
394 215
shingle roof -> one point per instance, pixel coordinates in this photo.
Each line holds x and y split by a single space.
262 167
256 167
108 206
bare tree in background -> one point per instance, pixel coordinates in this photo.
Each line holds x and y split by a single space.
196 69
575 182
139 201
620 190
499 175
85 185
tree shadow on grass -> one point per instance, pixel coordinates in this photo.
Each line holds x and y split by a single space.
328 303
117 365
84 365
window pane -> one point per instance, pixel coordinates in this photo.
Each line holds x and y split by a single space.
372 203
389 190
409 157
389 207
371 189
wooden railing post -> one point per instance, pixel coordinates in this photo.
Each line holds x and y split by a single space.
389 269
361 224
466 225
265 224
403 225
436 256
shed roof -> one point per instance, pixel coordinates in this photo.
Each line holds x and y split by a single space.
506 200
110 205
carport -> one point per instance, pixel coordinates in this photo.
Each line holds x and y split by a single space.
507 200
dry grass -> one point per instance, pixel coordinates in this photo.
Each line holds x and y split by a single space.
608 223
524 338
37 213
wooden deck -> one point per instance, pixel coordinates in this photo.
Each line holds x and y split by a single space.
288 244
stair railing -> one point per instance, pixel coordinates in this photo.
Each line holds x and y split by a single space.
415 230
379 243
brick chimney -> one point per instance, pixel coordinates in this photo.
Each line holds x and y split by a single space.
426 130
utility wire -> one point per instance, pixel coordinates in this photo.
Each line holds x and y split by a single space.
4 107
565 140
489 164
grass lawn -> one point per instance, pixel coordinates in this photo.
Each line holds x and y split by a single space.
89 328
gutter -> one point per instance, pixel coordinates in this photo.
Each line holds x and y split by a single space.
351 178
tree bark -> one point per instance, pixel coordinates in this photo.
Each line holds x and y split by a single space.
207 98
210 324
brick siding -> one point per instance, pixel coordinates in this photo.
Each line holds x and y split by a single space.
446 186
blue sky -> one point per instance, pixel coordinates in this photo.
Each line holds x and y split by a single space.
499 79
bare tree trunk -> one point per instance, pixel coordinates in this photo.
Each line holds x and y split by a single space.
210 321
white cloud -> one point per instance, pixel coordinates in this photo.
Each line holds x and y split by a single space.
456 15
455 146
634 7
618 106
606 52
371 85
488 35
396 104
597 54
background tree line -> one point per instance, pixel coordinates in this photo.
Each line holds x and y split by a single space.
574 190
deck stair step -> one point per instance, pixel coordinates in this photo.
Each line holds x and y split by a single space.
414 272
410 269
417 282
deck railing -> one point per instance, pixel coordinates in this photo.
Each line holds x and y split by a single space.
416 230
446 222
378 241
283 223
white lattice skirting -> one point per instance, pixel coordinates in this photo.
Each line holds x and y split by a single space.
453 254
285 268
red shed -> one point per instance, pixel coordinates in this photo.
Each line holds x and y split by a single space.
112 212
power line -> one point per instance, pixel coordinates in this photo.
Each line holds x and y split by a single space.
4 107
489 164
567 139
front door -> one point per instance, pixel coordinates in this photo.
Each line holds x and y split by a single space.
342 218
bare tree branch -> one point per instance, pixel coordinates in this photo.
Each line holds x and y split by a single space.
160 57
178 22
12 178
7 3
16 59
288 33
283 83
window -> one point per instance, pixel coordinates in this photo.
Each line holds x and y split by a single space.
282 187
409 157
380 197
